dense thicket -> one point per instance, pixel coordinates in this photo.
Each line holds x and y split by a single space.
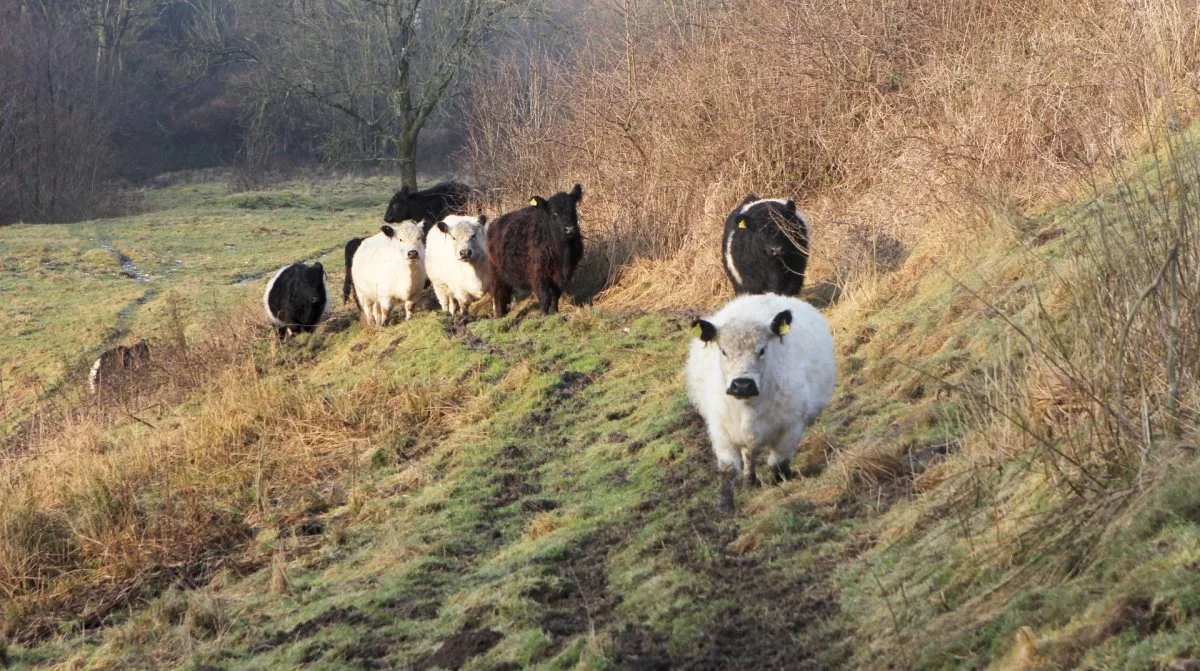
892 122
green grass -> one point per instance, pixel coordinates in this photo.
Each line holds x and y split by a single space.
535 492
568 505
67 296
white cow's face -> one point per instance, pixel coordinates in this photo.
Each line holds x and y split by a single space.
745 351
466 236
408 237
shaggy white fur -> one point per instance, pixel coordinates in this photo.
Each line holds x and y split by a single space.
456 261
389 268
776 354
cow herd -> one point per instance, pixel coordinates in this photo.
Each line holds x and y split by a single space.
759 371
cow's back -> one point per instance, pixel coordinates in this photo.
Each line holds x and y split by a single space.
510 243
296 296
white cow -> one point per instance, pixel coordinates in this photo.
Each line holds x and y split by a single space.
389 267
456 261
760 372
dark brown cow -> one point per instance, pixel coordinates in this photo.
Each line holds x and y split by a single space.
537 249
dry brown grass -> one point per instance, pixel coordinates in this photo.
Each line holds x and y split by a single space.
893 124
112 500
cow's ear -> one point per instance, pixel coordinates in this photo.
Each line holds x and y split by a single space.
483 220
704 330
537 201
441 226
577 193
791 206
388 230
750 198
782 323
318 266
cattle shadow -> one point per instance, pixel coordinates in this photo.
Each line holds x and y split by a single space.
596 273
341 321
822 295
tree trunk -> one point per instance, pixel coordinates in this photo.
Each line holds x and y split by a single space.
406 154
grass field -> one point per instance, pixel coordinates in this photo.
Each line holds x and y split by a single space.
534 492
68 293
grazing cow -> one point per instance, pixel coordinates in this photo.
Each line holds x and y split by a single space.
456 261
348 282
765 247
389 267
428 206
297 298
535 248
115 366
759 372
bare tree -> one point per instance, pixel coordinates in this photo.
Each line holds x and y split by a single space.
54 120
383 65
115 23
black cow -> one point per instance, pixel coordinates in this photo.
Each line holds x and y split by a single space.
348 283
115 366
296 298
765 247
429 206
535 248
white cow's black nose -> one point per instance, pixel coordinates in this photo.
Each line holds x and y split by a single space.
465 255
412 254
742 387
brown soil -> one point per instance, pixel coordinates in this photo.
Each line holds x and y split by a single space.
457 649
348 615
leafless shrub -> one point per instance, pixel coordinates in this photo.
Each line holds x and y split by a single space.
913 119
55 153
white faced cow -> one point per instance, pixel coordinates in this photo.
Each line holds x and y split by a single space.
389 267
760 372
456 261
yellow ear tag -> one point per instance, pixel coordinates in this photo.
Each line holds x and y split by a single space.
741 223
784 328
697 331
533 201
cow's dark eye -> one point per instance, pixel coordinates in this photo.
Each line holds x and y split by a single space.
762 351
722 350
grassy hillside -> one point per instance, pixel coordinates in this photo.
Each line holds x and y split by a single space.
535 493
70 289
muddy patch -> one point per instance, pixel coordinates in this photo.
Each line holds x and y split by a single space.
457 649
762 617
366 653
561 395
128 268
455 328
539 505
340 614
419 606
314 652
390 349
575 592
511 486
339 322
641 648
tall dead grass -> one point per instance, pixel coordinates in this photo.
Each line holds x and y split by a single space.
110 502
895 123
1094 406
